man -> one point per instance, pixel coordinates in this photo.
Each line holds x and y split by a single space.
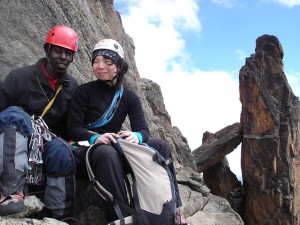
32 88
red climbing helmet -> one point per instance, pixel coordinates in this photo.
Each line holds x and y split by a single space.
63 36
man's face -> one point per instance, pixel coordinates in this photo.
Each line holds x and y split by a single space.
60 58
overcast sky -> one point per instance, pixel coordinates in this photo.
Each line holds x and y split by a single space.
194 50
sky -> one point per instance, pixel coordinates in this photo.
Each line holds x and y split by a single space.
194 49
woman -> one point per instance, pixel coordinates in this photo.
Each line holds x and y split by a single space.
98 110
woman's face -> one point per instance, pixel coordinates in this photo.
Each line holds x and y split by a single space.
103 68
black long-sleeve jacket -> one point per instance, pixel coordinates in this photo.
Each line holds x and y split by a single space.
91 100
28 87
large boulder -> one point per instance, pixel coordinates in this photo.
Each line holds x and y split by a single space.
270 125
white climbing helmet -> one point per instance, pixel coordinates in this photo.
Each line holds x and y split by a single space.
109 44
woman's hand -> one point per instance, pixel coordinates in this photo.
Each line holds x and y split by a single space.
129 136
107 138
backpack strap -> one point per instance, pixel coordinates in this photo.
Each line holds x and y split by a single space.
107 196
51 101
124 162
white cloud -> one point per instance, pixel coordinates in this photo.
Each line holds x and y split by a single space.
200 101
196 100
155 46
234 159
167 12
289 3
156 33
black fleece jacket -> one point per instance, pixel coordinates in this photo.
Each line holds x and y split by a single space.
90 101
28 87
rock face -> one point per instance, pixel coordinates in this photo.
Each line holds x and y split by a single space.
270 149
216 146
24 25
211 160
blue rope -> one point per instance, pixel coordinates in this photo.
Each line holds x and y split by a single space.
109 113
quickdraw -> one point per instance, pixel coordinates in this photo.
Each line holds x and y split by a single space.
39 135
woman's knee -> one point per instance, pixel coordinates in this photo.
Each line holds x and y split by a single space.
104 152
105 159
161 146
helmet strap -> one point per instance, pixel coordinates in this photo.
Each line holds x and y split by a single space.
47 56
111 82
48 50
50 65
